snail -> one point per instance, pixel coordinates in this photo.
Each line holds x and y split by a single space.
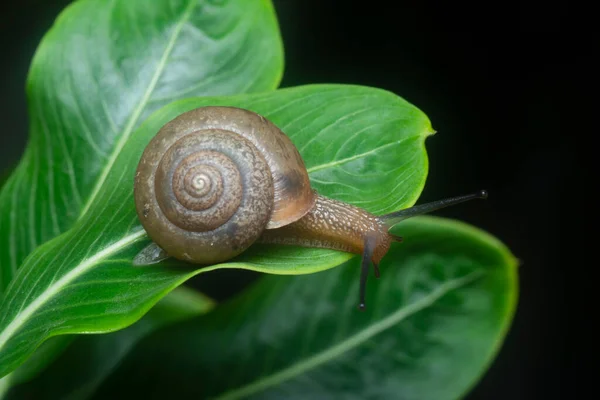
216 179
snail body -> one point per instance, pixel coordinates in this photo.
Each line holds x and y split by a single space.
215 180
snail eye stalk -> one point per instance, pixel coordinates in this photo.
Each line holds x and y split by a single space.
394 218
399 216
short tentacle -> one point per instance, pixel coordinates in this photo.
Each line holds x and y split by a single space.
376 270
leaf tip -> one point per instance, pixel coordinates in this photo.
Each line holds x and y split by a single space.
429 131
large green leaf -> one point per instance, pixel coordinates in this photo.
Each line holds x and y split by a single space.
360 145
99 72
435 320
84 366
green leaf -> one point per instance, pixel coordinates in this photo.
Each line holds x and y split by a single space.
435 320
83 367
42 358
360 145
99 72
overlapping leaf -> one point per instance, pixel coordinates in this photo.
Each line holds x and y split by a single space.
87 362
83 281
434 321
98 73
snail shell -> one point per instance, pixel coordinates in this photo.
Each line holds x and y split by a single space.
214 178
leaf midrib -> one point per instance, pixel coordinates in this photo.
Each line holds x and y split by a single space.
352 342
82 267
139 109
23 316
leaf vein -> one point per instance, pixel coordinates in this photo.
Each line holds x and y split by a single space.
354 157
311 363
137 113
23 317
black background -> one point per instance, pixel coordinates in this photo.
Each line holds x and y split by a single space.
508 87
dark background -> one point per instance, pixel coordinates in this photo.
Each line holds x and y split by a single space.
508 88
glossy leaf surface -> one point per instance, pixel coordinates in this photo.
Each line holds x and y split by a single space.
101 70
360 145
90 359
434 322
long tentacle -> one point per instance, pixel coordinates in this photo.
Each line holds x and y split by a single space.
370 243
398 216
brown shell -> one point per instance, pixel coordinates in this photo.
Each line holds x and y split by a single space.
293 196
269 185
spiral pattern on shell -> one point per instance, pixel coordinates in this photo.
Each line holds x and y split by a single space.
206 185
213 195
